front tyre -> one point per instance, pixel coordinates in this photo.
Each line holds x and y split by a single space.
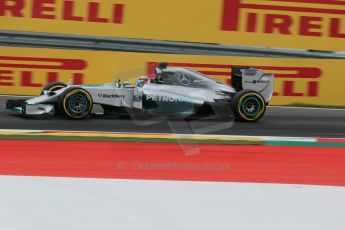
248 106
75 103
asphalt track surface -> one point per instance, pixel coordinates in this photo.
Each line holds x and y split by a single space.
278 121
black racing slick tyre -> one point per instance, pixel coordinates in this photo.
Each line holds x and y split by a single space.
75 103
248 106
53 86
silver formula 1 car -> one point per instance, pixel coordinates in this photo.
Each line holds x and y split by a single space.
173 91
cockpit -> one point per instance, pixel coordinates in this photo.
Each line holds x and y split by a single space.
181 77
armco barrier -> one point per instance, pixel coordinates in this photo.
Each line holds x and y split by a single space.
24 71
302 24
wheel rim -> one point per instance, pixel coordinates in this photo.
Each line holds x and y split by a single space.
78 104
251 106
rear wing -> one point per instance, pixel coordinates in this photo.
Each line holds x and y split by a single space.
245 77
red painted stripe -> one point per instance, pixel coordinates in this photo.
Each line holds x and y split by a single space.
267 164
328 2
293 9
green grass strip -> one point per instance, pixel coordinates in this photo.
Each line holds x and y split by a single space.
168 140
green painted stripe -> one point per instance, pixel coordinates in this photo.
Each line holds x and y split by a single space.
171 140
129 139
307 144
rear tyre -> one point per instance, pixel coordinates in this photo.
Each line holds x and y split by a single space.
248 106
75 103
53 86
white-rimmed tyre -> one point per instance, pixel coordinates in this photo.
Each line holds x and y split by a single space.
248 105
53 86
75 103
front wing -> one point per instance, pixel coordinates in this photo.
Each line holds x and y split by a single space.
19 106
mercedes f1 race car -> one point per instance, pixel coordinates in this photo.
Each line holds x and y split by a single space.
172 91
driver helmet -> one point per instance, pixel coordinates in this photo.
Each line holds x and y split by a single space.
142 81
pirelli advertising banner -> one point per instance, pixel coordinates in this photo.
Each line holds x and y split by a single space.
301 24
24 71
